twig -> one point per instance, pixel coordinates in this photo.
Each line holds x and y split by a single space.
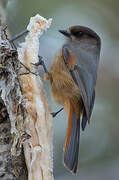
18 35
27 70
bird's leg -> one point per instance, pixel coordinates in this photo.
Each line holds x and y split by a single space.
55 113
41 62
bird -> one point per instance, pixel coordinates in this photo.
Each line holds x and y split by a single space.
72 76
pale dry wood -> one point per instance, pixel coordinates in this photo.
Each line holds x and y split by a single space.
38 124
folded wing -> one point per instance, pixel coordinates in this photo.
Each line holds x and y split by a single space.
84 71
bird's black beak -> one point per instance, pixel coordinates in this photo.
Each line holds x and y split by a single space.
65 33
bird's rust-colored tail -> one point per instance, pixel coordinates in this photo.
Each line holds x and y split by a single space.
71 148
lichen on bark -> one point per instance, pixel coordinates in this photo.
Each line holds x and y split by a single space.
11 108
11 93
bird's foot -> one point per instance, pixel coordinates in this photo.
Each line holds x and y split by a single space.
55 113
41 62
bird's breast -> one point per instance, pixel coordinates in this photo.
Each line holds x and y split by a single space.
63 87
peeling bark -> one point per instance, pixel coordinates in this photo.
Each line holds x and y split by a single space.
38 150
11 167
25 119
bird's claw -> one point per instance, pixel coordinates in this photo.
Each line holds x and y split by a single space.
53 114
40 62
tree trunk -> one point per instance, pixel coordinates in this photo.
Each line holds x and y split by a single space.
25 120
11 167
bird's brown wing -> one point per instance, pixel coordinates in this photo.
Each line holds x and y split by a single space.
84 71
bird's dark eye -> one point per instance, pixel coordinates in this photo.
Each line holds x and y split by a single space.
78 33
81 33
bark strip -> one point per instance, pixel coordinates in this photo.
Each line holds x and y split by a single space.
38 124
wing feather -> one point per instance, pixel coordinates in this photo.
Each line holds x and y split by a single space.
84 72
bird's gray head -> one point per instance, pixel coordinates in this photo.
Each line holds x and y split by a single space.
80 32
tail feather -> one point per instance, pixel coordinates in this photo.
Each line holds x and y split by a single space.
84 118
71 149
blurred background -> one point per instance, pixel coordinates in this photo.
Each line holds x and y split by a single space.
99 146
